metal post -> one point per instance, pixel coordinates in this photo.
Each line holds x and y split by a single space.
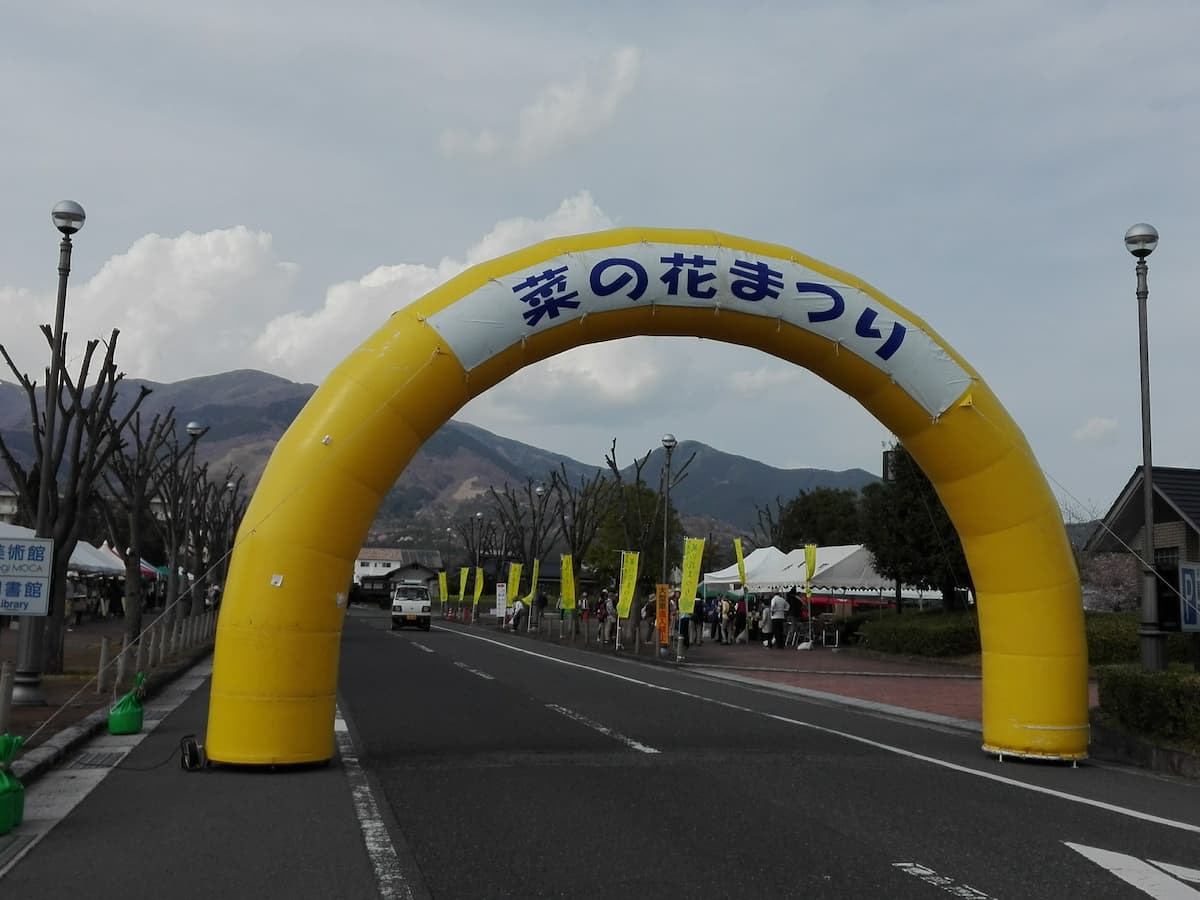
122 663
669 443
102 671
6 692
27 683
1153 641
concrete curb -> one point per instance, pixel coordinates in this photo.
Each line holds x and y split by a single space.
1109 744
31 766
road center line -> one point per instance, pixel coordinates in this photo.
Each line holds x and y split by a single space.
603 729
899 751
483 675
421 647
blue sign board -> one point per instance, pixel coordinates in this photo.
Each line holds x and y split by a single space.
1189 596
25 565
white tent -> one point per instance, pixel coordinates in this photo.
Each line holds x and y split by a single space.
85 558
854 575
761 560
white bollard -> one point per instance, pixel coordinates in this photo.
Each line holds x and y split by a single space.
122 663
102 672
6 692
151 638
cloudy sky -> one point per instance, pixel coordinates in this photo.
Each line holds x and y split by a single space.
266 182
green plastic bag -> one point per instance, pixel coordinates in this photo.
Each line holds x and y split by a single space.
12 791
126 715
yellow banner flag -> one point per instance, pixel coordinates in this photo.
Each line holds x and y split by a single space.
478 585
737 548
532 595
693 552
442 585
514 581
568 582
810 566
462 583
629 574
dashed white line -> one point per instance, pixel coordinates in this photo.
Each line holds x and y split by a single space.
388 875
484 675
899 751
421 647
945 882
603 729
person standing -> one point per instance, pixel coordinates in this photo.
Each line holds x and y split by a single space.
779 611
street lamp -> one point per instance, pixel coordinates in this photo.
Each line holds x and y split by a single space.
68 217
1140 240
536 546
669 443
195 431
230 489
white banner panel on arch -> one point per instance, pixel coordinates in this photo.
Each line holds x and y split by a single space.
564 289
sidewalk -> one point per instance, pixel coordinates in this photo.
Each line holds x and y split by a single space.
74 709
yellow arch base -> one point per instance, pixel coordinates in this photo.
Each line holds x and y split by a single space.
275 668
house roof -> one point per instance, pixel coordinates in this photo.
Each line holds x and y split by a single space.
430 559
1176 497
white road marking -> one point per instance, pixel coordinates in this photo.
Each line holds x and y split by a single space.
945 882
603 729
483 675
421 647
388 875
1143 876
899 751
1181 872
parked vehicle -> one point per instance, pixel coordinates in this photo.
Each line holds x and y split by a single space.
410 605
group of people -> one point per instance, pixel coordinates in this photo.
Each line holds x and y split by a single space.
743 619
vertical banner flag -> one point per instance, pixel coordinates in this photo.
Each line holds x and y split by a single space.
810 567
693 553
444 589
532 596
629 573
662 612
568 583
514 579
478 585
737 548
462 583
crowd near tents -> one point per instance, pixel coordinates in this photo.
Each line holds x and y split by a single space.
844 576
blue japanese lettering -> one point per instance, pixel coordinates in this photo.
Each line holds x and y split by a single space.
695 277
542 295
824 315
865 327
636 274
12 589
754 281
33 590
37 554
16 551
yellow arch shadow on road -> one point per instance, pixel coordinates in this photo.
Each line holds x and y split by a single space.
275 668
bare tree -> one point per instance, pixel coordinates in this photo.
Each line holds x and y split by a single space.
768 530
132 479
85 438
174 496
581 509
524 520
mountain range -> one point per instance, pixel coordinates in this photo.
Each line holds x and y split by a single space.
247 411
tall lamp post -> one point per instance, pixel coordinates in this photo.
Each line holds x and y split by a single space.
195 431
230 490
669 443
536 547
1140 240
68 217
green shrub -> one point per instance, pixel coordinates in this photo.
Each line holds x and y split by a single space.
1112 639
933 633
1162 704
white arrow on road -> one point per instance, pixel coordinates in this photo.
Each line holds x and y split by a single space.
1162 881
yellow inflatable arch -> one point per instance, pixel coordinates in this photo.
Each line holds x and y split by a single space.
276 662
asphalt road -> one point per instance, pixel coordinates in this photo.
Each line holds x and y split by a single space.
484 765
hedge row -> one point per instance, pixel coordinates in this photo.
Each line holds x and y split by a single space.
1161 704
1112 638
924 633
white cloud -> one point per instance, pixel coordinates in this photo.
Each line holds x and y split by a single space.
184 305
561 116
768 377
1096 430
306 346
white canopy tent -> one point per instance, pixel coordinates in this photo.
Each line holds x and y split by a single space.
85 558
762 559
